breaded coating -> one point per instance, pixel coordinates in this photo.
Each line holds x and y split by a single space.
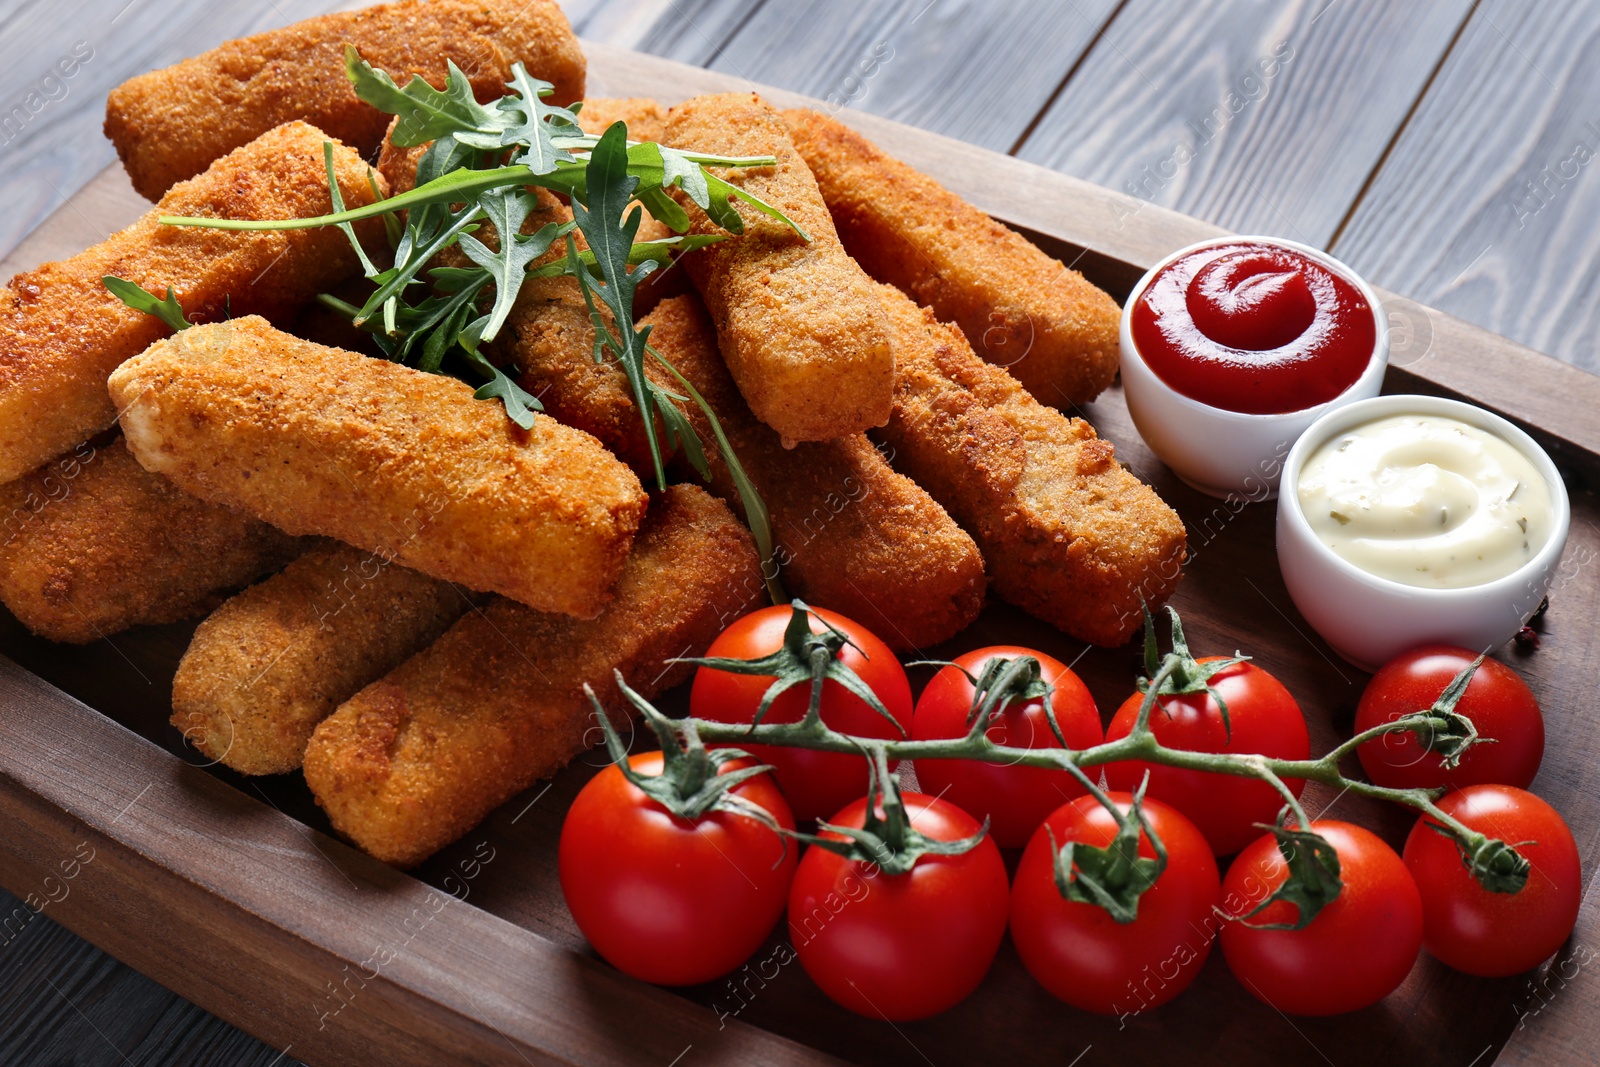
399 165
799 324
276 659
851 534
646 118
1021 309
549 337
170 124
417 759
92 544
62 332
322 441
1070 535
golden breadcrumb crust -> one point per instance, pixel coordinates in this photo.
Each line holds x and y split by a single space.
1070 535
170 124
798 322
322 441
92 544
851 533
62 332
417 759
1020 309
276 659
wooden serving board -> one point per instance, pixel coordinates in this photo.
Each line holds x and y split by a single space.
233 893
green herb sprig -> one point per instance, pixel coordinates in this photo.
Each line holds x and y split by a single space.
481 167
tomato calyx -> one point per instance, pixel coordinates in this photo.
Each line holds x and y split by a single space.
1494 864
1313 882
1178 673
691 784
889 842
1441 729
805 657
1002 681
1115 876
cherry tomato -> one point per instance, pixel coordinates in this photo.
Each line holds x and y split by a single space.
1493 934
1016 799
664 899
1356 951
1497 701
1083 956
817 784
1264 719
906 946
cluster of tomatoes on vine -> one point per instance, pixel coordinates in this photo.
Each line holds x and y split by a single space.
677 864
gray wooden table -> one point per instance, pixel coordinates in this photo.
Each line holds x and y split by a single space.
1442 148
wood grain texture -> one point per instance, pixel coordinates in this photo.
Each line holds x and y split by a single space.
1262 117
976 70
1486 208
690 31
255 874
52 146
1113 237
64 1001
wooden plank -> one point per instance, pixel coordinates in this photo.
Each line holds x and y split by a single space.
690 31
62 1000
979 72
1486 206
54 145
233 871
1259 117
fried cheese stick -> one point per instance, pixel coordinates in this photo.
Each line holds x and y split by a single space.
322 441
276 659
1021 309
93 544
1070 536
417 759
798 322
62 332
851 533
170 124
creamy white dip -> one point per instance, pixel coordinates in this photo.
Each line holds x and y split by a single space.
1426 500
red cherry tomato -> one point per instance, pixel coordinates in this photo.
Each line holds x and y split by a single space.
1356 951
1497 701
1083 956
1015 799
904 946
1264 719
817 784
664 899
1494 934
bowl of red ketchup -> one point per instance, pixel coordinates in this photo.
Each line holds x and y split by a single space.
1232 347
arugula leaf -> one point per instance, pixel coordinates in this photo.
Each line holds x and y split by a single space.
507 209
336 197
538 123
140 299
520 404
426 113
657 252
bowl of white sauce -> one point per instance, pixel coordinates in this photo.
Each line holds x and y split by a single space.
1410 520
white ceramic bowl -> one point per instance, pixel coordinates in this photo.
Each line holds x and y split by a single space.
1369 620
1230 453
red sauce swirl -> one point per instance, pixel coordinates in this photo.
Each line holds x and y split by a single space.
1254 328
